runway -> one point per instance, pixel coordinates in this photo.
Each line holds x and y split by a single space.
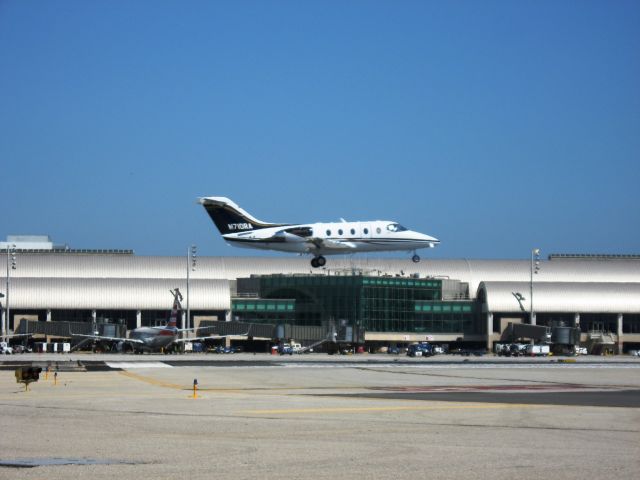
271 417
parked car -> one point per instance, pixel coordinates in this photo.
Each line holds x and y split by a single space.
393 350
420 350
222 349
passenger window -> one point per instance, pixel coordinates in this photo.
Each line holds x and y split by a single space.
366 231
378 230
328 233
340 232
353 231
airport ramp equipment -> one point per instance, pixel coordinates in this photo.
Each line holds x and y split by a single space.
516 331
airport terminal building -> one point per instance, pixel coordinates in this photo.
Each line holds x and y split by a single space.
370 302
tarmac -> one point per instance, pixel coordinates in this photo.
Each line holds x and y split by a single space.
319 416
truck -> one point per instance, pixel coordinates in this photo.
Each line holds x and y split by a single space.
537 350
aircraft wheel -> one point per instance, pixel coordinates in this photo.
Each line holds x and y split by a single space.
321 261
415 258
314 262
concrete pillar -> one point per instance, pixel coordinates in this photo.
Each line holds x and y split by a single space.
138 319
48 315
533 318
576 320
227 316
489 331
619 332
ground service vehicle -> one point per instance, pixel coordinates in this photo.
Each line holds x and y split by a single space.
537 350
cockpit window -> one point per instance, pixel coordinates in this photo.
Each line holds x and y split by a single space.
395 227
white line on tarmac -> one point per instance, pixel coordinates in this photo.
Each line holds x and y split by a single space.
132 365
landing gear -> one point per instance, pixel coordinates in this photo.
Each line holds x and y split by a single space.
318 261
415 258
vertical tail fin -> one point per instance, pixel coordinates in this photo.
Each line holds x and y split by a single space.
177 306
230 218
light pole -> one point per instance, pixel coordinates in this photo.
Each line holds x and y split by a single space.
11 258
191 266
534 253
1 319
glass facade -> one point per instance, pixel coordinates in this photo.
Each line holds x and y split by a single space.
261 310
376 304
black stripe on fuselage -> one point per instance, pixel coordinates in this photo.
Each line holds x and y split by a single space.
373 241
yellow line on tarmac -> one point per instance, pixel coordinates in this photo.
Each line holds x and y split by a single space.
153 381
386 409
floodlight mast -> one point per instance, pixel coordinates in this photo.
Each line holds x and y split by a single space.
191 266
11 259
534 253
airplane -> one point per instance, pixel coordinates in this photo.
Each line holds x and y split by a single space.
155 338
241 229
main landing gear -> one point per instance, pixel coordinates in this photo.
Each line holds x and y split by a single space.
415 258
318 261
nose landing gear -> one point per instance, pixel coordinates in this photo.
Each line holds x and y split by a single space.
318 261
415 258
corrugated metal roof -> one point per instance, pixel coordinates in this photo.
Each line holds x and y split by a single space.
76 281
230 268
116 293
563 297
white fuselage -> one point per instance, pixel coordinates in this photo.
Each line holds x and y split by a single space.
333 238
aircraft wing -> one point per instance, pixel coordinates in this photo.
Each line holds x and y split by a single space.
112 339
212 337
194 329
325 244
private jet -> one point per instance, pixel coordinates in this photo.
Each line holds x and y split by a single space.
241 229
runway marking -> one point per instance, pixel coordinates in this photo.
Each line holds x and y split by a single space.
131 365
497 388
403 408
153 381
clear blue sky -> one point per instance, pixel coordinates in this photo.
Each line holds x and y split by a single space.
495 126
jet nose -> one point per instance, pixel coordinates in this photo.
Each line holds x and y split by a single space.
433 241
